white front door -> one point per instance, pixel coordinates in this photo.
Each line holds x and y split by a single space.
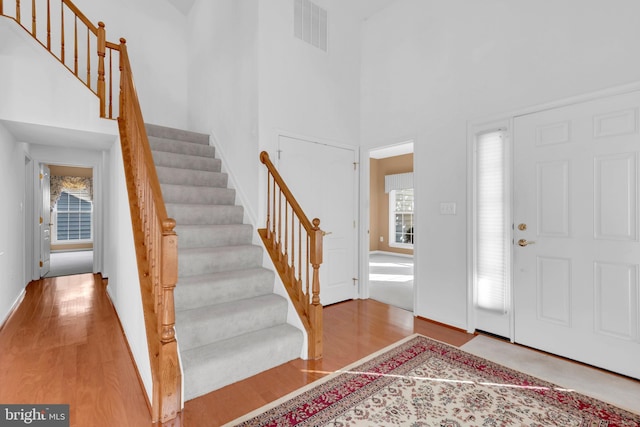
45 220
576 236
323 179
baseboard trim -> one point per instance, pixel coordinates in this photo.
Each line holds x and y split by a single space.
105 282
14 307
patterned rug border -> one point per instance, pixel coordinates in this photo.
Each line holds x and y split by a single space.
384 366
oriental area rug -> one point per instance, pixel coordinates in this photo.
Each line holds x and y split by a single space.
420 382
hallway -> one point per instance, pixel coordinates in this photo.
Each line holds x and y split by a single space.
64 345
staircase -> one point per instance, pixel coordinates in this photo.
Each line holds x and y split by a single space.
229 323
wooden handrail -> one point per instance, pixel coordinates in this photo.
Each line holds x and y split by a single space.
88 45
155 239
297 255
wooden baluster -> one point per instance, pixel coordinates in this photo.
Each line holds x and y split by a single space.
89 59
75 46
279 234
48 25
286 236
33 19
1 8
273 224
102 45
111 83
62 32
123 52
18 11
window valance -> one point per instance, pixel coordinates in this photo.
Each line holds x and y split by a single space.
400 181
81 187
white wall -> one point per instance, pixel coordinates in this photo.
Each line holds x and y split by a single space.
223 83
120 256
431 66
12 280
36 88
156 41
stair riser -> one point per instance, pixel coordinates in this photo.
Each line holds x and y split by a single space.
228 363
181 161
167 175
214 236
221 288
177 134
178 147
198 195
234 258
205 214
226 325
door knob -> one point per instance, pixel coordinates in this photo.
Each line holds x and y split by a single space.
524 242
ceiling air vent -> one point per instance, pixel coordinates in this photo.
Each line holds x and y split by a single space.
310 23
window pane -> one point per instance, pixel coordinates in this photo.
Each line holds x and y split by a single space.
491 250
73 218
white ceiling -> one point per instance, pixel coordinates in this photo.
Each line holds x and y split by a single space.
363 8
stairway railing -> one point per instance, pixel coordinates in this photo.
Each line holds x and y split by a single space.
155 240
156 248
295 246
67 34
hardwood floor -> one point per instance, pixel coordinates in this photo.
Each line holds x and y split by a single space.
64 344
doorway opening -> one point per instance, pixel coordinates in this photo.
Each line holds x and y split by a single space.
71 220
391 225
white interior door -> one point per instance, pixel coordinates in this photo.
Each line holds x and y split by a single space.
576 172
323 179
45 220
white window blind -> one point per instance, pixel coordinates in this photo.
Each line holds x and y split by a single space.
492 235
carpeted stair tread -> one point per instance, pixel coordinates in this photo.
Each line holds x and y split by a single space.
218 288
219 364
209 324
201 236
173 193
198 261
178 176
177 134
181 147
192 214
185 161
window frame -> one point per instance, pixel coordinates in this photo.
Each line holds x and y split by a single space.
392 220
54 222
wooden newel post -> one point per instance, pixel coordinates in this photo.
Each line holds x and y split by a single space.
315 309
170 378
102 48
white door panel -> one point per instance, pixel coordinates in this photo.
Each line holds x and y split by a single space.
323 180
576 287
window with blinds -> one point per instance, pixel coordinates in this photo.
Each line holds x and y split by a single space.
72 218
492 245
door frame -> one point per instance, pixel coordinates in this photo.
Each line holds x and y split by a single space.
97 160
365 217
358 192
506 118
